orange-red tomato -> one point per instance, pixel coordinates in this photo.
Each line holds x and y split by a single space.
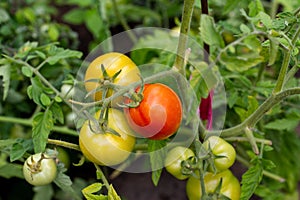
159 114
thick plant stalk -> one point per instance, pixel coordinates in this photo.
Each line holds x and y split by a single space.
183 37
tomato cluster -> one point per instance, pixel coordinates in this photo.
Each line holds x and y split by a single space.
230 186
152 111
156 115
218 179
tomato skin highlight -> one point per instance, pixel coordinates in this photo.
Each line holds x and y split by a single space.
230 185
113 62
158 115
106 148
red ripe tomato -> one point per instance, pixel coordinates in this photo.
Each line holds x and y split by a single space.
159 114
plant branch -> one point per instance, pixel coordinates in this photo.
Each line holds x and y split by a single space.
123 22
28 122
126 89
266 173
64 144
103 177
256 115
204 7
245 139
183 37
285 63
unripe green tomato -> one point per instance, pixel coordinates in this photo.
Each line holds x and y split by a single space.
224 152
39 169
174 159
63 157
230 185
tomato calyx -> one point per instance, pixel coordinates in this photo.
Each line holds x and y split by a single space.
105 83
134 97
189 165
100 126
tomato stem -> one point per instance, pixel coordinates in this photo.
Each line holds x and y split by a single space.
123 22
266 173
245 139
285 63
256 115
183 37
102 176
64 144
28 122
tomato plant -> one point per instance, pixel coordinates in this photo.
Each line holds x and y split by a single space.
174 160
106 148
158 115
223 153
230 186
115 64
39 169
238 59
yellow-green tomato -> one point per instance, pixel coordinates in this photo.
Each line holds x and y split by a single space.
174 159
113 62
230 185
39 169
63 157
107 148
224 152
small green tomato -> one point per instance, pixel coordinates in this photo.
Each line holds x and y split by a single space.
39 169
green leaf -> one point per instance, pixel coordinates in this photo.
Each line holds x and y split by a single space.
265 19
19 148
6 143
232 98
245 55
209 33
88 192
36 90
264 87
57 112
10 170
80 3
239 63
4 16
40 54
157 156
112 194
42 124
94 23
250 180
283 124
60 53
244 28
230 5
273 50
45 100
64 182
255 7
27 71
75 16
44 192
203 79
53 32
5 73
